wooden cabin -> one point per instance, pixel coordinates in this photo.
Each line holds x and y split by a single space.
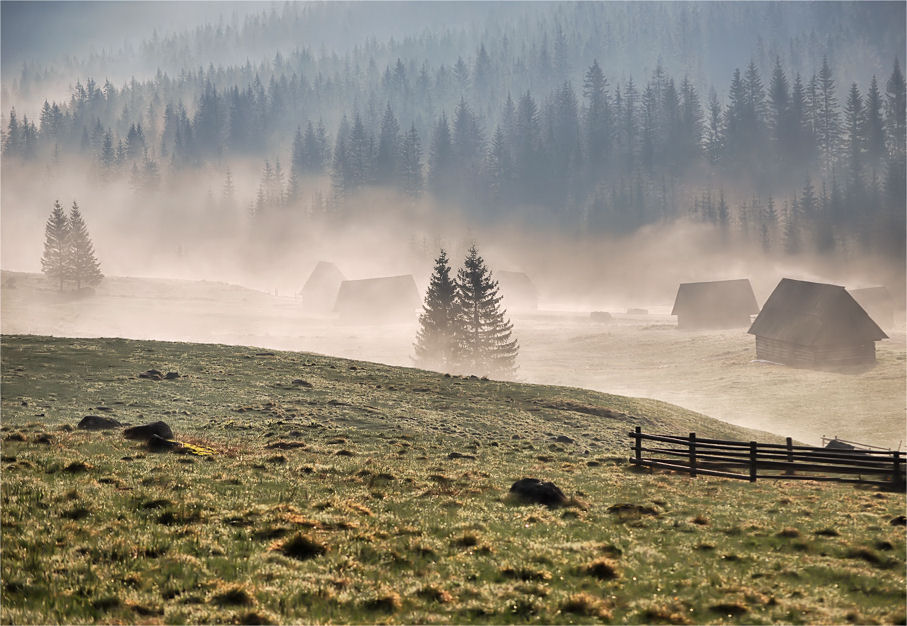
385 300
878 303
816 325
518 291
320 291
715 304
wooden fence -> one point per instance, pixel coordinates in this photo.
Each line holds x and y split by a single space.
752 460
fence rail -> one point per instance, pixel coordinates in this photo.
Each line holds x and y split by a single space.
751 460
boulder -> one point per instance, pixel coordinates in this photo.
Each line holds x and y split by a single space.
152 374
536 491
171 375
147 431
97 422
160 444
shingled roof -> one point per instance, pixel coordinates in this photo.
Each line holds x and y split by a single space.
814 314
726 295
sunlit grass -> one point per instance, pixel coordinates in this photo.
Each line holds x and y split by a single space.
98 529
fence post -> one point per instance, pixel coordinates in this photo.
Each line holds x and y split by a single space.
790 456
692 455
638 445
752 461
896 479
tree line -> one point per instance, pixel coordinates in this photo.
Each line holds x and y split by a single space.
69 257
576 149
463 327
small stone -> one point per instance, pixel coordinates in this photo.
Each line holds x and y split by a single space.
159 444
98 422
145 432
534 490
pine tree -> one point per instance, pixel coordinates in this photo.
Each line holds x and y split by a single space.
410 171
55 261
484 334
874 129
436 340
83 266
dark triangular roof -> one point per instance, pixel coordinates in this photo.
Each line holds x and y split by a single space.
325 276
814 314
717 295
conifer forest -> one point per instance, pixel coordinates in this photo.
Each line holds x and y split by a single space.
777 123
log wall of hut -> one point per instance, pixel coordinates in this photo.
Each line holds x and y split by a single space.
711 319
814 356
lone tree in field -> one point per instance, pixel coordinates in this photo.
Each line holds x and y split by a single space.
83 267
55 262
436 341
484 335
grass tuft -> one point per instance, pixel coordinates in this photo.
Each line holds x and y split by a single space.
602 568
434 593
301 547
233 595
386 602
586 605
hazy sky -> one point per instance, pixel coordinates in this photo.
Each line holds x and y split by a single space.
41 31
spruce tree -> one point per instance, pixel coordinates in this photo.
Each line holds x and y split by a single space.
436 340
83 267
484 340
55 261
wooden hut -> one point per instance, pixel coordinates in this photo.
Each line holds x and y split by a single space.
383 300
808 324
320 291
715 304
518 291
878 303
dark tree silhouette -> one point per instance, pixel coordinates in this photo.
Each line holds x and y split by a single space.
484 340
83 267
55 262
436 341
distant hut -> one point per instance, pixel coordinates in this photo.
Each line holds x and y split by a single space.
878 303
378 300
715 304
808 324
320 291
518 291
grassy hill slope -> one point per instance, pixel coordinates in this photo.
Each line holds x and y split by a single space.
342 491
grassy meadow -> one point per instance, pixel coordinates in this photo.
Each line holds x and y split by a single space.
643 355
349 492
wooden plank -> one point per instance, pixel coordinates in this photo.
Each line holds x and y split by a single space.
685 469
869 466
719 443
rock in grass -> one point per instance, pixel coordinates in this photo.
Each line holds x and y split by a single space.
152 374
629 509
171 375
900 520
460 455
146 431
97 422
160 444
536 491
